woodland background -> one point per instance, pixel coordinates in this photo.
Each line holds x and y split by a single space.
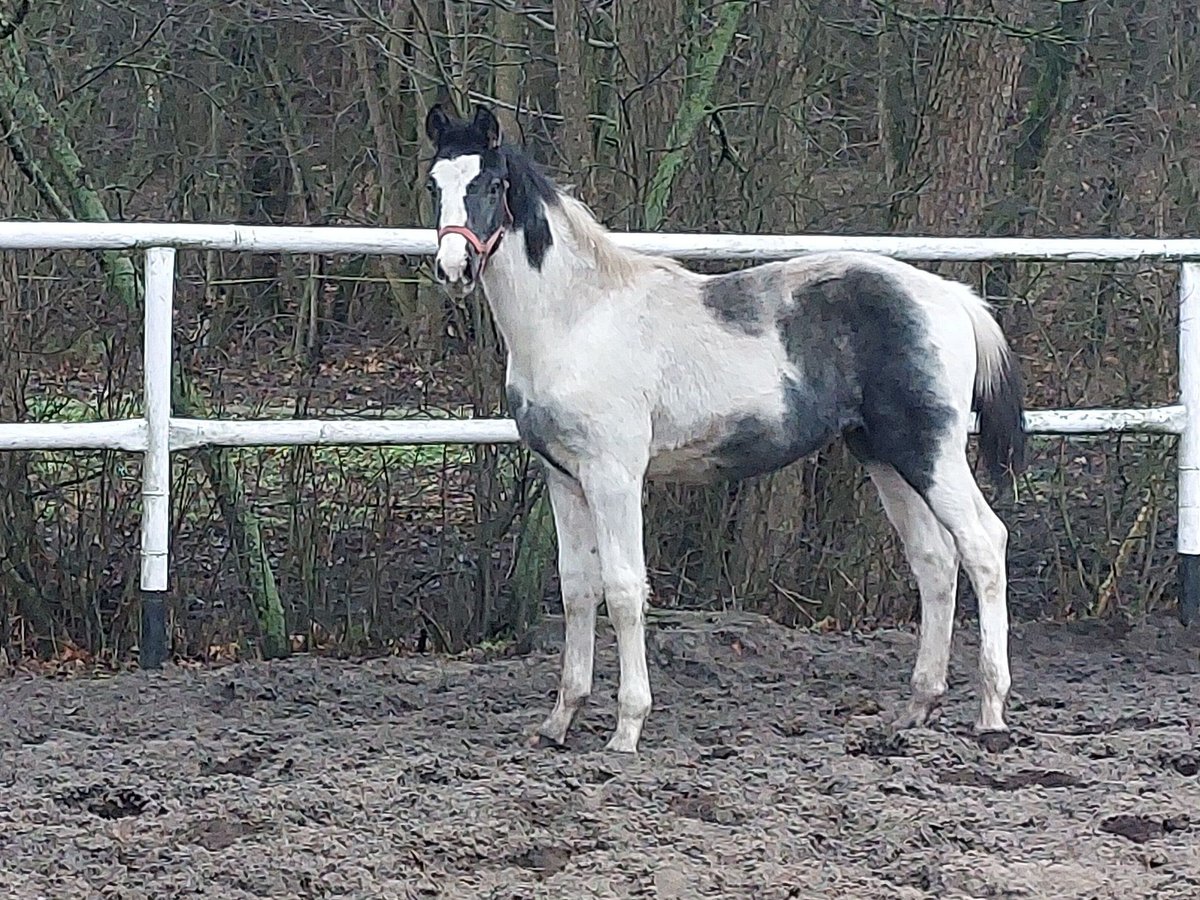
942 117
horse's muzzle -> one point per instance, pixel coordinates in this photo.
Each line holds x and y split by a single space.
476 253
456 268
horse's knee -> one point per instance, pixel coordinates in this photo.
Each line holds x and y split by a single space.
626 600
997 532
985 549
935 568
580 587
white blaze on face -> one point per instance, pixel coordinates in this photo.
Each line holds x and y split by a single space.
452 177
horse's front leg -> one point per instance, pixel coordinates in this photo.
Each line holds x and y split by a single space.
579 578
614 495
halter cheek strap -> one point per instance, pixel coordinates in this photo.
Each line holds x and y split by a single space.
482 247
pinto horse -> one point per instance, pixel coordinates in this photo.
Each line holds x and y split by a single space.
625 367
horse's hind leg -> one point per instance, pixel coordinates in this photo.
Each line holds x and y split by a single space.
982 543
579 577
934 562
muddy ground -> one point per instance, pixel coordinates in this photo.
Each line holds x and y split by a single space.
766 771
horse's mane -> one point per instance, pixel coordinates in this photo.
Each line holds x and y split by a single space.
590 240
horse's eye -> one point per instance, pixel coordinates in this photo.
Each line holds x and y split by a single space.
431 187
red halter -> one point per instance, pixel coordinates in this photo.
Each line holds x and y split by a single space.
483 248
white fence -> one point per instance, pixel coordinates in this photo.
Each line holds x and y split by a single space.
159 433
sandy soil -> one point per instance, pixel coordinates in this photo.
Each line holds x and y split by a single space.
766 771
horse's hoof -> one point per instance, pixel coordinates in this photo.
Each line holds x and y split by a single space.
616 747
920 712
995 741
619 744
539 741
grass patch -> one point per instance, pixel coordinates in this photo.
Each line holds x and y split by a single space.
351 479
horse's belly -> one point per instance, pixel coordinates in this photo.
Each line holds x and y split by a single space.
748 447
744 446
694 463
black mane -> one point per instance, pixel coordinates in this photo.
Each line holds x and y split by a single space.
528 184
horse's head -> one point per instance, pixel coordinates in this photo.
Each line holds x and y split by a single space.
468 180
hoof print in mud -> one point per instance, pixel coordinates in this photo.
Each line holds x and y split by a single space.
849 707
1045 778
877 742
433 770
546 861
106 802
1141 829
793 727
996 741
708 808
215 835
242 764
1189 764
1186 764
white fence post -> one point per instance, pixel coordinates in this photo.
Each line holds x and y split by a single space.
156 463
1188 527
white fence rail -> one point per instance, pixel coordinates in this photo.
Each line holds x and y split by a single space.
158 433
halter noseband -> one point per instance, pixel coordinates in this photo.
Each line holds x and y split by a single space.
483 248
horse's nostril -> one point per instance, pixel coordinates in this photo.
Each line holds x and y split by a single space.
439 273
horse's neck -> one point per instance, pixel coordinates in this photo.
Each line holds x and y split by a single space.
534 308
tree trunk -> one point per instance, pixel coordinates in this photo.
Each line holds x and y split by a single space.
967 139
573 100
19 590
393 196
703 67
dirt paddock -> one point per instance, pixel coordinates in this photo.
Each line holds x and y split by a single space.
767 770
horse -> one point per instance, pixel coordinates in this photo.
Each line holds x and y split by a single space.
624 368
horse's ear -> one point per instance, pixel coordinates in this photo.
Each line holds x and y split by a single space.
487 123
435 123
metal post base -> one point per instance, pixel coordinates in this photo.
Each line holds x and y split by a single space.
153 644
1189 587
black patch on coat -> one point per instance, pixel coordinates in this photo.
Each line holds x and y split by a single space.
738 299
903 415
758 446
528 189
865 370
536 425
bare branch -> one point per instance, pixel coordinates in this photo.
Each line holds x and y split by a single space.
8 27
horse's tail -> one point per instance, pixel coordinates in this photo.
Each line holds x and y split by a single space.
998 396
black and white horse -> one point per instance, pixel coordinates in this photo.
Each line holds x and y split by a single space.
624 367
